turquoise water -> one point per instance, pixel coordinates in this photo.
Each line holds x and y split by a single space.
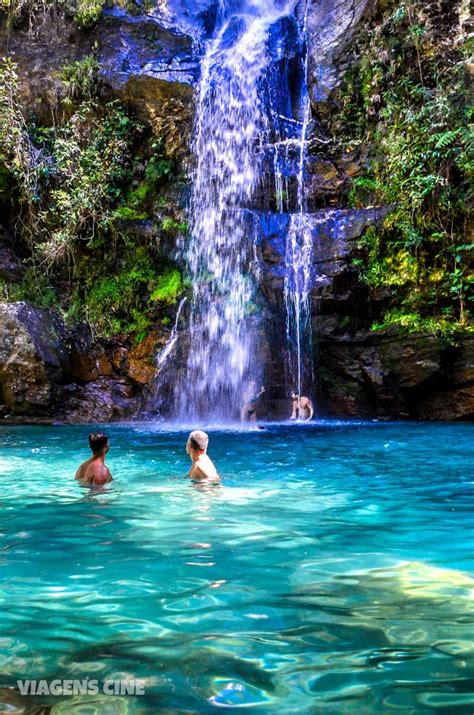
330 573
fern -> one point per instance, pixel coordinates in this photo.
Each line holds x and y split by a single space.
445 139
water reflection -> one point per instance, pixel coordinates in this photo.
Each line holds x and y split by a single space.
320 576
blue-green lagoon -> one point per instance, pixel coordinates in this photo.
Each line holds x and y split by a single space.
331 572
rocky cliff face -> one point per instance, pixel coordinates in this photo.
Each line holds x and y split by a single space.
49 372
149 60
146 60
391 375
331 26
383 374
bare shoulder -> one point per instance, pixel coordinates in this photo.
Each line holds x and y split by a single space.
81 472
100 475
205 469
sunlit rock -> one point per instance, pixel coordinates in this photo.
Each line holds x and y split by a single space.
330 26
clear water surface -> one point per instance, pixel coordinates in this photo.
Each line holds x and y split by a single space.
330 573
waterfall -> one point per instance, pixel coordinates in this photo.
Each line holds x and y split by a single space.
299 247
230 127
164 354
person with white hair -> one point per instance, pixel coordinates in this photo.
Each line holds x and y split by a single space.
203 468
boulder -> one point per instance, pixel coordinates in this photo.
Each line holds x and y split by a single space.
137 362
103 400
33 353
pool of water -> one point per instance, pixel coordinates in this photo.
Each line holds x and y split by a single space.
331 572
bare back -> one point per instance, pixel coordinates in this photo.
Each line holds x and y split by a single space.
203 468
93 472
302 408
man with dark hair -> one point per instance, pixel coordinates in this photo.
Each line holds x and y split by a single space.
203 469
93 471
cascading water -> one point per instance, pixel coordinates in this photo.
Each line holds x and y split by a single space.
231 120
165 354
299 239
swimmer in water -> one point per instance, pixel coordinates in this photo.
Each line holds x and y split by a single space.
248 413
302 408
93 471
203 469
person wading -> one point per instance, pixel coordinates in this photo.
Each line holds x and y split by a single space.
302 408
248 413
203 468
93 471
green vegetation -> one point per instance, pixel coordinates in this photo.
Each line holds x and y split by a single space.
403 107
88 12
169 287
34 288
139 197
413 323
69 191
85 13
127 301
169 225
80 78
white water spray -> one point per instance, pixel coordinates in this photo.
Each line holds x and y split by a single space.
298 253
164 354
230 126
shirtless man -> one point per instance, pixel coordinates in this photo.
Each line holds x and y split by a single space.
203 469
302 408
93 471
248 413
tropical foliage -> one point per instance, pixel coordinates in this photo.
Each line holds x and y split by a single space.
70 191
403 108
85 13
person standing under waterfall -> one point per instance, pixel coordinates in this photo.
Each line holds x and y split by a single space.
248 413
302 408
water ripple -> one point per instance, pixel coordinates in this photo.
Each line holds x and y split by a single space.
322 576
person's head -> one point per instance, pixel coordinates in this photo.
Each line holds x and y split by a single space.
197 443
294 396
99 443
